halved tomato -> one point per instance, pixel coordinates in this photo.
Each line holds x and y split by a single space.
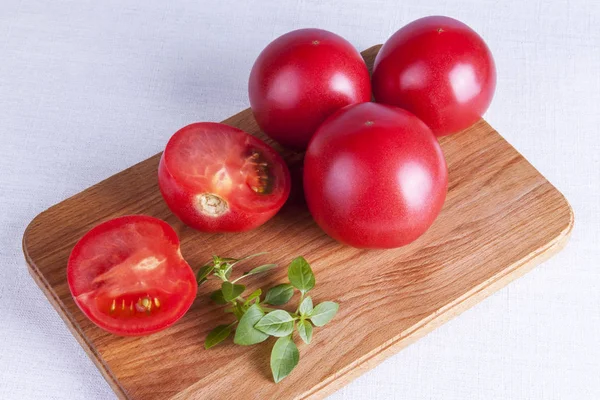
127 275
217 178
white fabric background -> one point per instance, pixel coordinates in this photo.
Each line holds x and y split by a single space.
88 88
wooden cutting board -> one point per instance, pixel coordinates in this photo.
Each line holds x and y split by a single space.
500 219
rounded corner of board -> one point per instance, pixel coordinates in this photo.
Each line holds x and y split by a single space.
25 240
569 221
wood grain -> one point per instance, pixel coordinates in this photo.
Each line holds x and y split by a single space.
500 219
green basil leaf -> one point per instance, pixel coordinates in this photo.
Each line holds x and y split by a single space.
239 260
217 259
276 323
203 273
227 271
284 358
246 334
238 310
231 290
217 297
279 294
300 275
217 335
260 269
254 295
305 330
306 306
323 313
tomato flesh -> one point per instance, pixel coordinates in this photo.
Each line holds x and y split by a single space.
374 176
300 79
217 178
127 275
440 70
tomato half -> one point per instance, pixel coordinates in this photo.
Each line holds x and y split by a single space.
374 176
440 70
127 275
217 178
300 79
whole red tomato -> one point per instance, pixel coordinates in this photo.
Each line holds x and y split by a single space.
374 176
217 178
440 70
300 79
127 275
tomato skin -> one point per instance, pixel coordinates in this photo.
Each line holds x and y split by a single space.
245 210
374 176
102 268
440 70
300 79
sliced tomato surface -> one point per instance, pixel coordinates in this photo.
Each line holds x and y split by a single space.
128 276
217 178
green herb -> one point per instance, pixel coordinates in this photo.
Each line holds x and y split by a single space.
306 306
305 330
254 296
231 290
217 335
280 294
217 297
246 334
255 321
300 275
260 269
323 313
284 357
276 323
203 273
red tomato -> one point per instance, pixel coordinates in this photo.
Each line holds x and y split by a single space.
374 176
440 70
127 275
217 178
300 79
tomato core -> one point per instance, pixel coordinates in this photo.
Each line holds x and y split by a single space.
212 205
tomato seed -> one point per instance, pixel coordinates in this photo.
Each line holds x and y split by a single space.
262 169
146 303
139 307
